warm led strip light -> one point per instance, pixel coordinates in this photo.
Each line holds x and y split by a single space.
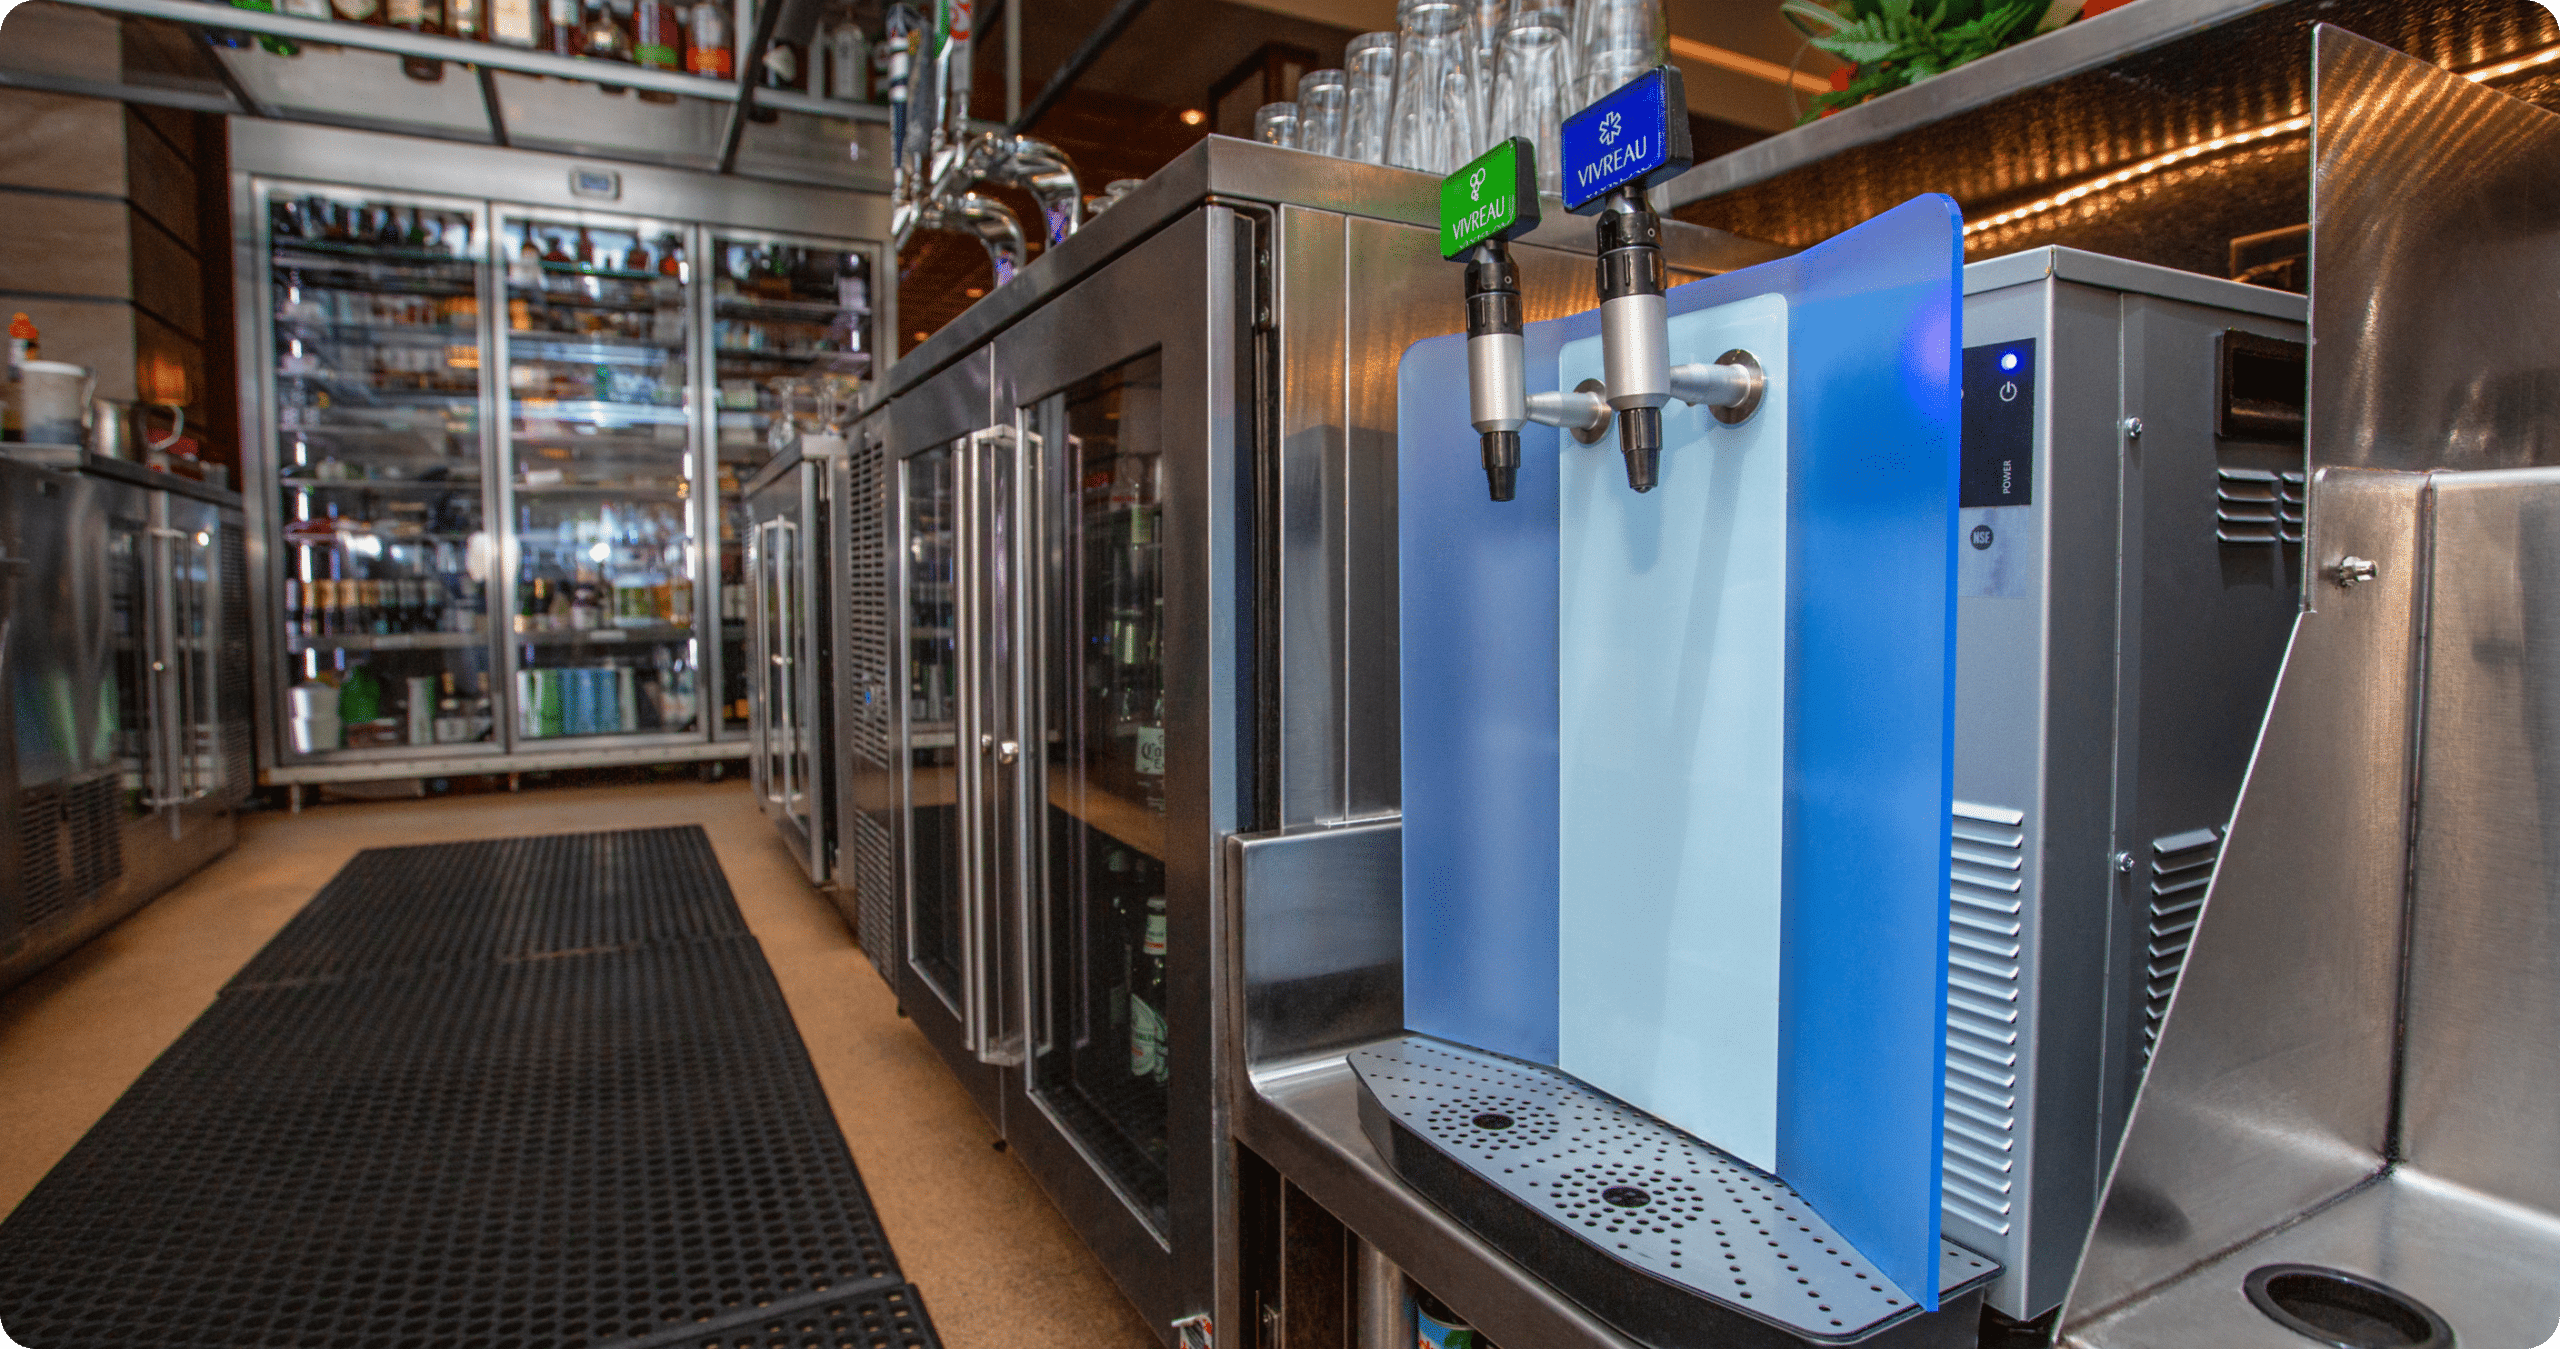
1706 54
2172 159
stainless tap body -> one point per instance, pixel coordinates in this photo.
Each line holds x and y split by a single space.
940 159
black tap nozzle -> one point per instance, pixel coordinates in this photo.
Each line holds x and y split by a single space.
1502 463
1495 387
1640 440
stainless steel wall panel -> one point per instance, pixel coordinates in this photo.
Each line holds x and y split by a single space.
1312 316
2483 1019
2432 200
1322 940
2270 1091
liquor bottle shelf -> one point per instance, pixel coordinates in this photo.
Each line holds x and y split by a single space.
300 483
341 331
653 634
597 412
528 344
603 491
554 299
387 641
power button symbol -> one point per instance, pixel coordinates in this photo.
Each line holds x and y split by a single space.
2009 392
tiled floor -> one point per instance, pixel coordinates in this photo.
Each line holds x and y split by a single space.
997 1265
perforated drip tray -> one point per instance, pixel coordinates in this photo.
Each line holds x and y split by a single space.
1670 1240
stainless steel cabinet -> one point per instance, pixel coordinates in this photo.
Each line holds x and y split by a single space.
124 653
1068 504
496 461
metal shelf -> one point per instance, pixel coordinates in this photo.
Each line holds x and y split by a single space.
345 74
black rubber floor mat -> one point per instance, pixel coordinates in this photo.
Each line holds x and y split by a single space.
446 903
565 1149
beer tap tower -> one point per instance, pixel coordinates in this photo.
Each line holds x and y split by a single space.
1617 149
939 159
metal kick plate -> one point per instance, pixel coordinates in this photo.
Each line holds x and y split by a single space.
1638 1191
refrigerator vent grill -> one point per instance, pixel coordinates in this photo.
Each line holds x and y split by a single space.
2256 505
874 887
1986 935
867 712
71 846
2181 872
867 583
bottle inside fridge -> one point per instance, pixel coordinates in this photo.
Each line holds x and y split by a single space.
790 354
384 552
602 612
1109 903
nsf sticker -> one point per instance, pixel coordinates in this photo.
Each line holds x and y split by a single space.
1638 133
1494 197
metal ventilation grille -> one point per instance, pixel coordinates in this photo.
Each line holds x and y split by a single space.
867 602
875 879
1986 933
235 764
2181 872
1638 1191
2256 505
70 846
866 711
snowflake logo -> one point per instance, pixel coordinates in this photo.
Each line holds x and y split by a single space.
1475 185
1609 129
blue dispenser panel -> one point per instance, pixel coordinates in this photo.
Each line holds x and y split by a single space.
1672 656
1870 431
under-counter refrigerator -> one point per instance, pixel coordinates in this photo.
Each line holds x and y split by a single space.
497 444
124 658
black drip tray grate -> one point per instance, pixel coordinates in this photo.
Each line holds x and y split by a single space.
1725 1254
526 1149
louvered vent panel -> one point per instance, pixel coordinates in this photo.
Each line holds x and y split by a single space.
70 846
867 607
2181 872
866 712
875 880
41 868
2256 505
1986 934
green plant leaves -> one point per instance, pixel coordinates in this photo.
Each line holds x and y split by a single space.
1896 42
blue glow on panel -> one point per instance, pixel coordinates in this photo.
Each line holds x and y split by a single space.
2008 360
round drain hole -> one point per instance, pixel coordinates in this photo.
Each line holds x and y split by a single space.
2348 1311
1626 1196
1493 1120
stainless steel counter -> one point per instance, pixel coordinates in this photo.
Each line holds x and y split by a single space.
1225 169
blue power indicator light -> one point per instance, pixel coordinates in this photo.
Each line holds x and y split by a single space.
2008 360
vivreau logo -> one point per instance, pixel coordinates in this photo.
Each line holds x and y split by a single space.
1609 165
1475 185
1610 125
1491 215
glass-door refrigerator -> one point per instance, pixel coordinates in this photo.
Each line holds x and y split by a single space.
788 329
381 529
602 490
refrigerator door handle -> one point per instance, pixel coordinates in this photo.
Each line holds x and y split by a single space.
161 635
754 654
